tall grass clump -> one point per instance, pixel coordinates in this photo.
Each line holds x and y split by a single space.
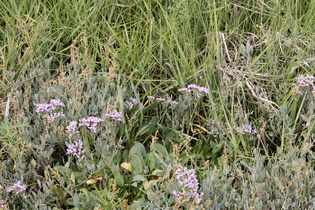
157 104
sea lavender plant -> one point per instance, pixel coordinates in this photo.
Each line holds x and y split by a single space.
72 128
156 98
91 123
160 99
213 127
194 87
188 90
305 81
17 188
200 89
51 117
115 115
49 108
76 149
165 101
3 204
187 183
131 103
170 102
245 129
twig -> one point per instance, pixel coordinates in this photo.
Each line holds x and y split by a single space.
7 109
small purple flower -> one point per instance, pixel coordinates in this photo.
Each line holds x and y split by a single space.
91 123
170 102
192 86
306 80
187 183
164 100
214 128
17 188
245 129
203 89
56 102
2 202
115 115
128 105
131 103
184 90
214 132
195 87
76 149
44 108
51 117
72 128
160 99
49 108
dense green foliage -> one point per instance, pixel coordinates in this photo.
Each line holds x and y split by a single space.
244 127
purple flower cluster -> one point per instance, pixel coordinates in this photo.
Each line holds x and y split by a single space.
194 87
115 115
165 101
91 123
54 103
306 81
72 128
3 204
17 188
52 116
214 128
49 108
76 149
245 129
131 103
187 183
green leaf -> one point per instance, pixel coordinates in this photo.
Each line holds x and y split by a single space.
136 164
119 178
158 172
215 150
137 149
151 195
138 178
152 128
149 107
117 175
148 129
207 153
63 170
153 123
150 161
85 192
72 178
70 201
135 206
143 130
160 149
